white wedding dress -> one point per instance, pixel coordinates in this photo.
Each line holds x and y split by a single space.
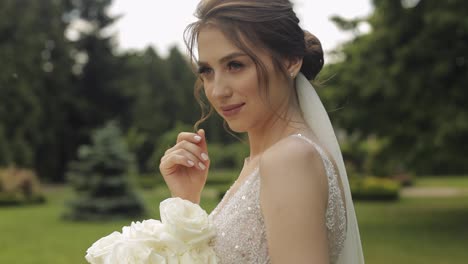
240 229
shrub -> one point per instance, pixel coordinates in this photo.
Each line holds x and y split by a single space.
165 141
369 155
19 186
404 178
373 188
228 156
102 179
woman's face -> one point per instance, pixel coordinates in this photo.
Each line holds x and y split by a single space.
231 85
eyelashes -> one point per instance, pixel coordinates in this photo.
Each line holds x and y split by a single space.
203 70
232 66
235 66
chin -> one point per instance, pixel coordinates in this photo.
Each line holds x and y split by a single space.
236 127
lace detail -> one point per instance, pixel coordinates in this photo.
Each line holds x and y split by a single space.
240 229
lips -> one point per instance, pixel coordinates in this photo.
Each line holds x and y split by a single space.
231 107
230 110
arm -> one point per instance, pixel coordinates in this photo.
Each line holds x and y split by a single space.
293 197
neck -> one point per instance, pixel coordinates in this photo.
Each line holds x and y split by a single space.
274 129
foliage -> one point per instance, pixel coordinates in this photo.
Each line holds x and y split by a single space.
102 179
401 87
19 186
161 92
228 156
36 73
374 189
167 140
362 155
403 82
62 77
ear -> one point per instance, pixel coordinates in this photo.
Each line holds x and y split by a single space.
293 66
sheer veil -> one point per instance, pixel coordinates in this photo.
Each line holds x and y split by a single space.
317 119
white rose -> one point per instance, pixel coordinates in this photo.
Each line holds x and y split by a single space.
155 234
203 255
181 238
147 228
186 220
100 251
136 251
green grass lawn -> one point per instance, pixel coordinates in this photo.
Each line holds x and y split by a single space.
413 230
417 230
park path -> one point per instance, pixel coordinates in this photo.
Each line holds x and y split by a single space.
433 192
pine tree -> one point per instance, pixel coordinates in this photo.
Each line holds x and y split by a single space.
101 179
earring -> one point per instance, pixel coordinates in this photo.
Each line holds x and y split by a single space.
292 74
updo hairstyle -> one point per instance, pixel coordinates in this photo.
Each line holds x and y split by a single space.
270 25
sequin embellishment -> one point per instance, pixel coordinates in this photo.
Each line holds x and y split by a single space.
240 226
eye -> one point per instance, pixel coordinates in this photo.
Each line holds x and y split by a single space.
203 71
235 66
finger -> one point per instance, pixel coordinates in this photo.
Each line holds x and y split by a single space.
196 152
199 164
192 159
190 137
174 160
195 149
168 151
204 146
202 143
179 145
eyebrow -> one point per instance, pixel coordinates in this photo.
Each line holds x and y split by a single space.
226 58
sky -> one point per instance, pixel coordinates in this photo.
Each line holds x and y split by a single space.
161 23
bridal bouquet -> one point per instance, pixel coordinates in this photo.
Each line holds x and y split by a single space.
181 237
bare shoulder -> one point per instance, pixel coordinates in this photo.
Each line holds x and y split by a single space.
293 163
293 198
291 153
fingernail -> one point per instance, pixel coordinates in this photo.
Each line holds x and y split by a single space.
197 138
191 163
202 166
204 156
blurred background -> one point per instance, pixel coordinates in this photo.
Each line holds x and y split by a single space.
93 92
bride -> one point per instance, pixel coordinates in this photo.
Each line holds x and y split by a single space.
291 202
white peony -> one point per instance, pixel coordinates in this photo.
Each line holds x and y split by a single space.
202 255
186 220
156 235
147 228
100 251
182 237
136 251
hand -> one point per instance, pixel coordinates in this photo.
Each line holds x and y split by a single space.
185 166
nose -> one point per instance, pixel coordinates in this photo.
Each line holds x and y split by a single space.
221 88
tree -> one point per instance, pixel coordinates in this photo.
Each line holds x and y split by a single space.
101 178
35 79
151 110
99 97
404 83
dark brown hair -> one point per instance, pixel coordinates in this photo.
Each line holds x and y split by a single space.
270 25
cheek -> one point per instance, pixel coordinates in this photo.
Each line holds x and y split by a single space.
208 91
248 85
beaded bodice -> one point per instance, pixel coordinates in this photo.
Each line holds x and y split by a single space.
240 229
